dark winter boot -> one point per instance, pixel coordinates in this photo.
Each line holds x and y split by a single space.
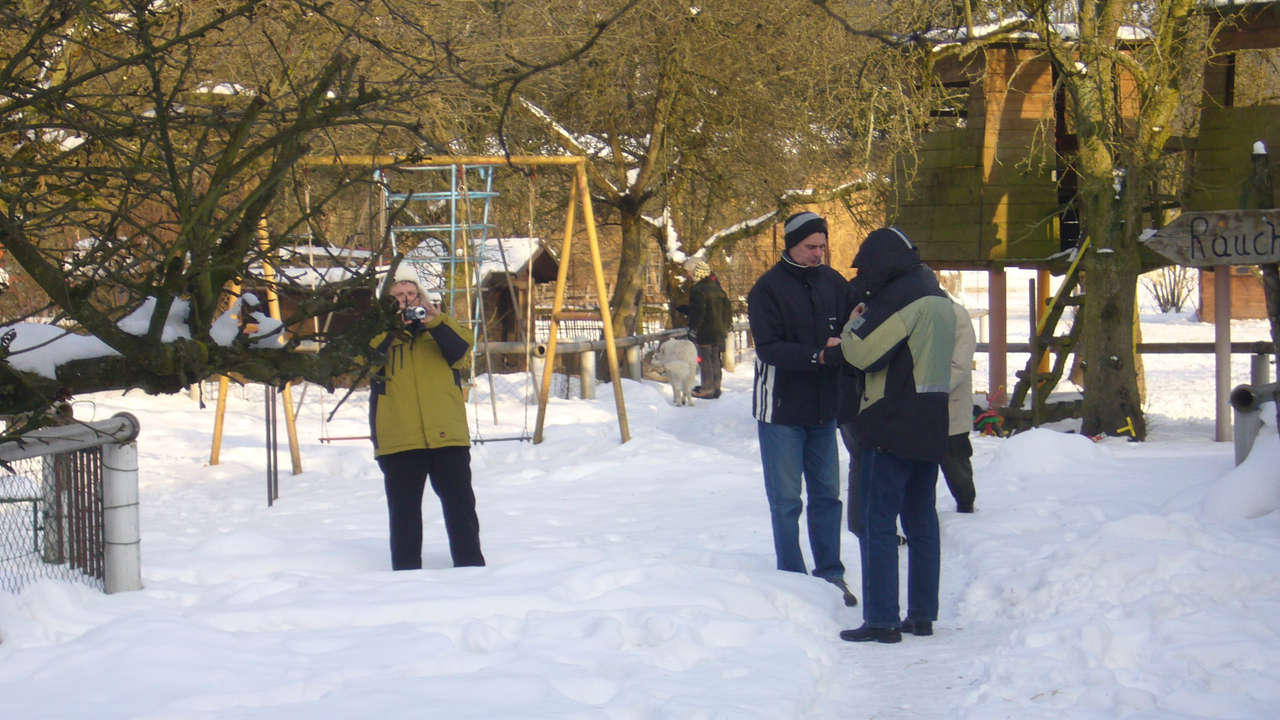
850 599
919 628
866 633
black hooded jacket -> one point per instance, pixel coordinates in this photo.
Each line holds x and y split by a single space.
903 343
793 310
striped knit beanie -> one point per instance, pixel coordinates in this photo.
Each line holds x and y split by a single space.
802 225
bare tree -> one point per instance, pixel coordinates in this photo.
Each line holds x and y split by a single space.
144 145
697 115
1130 73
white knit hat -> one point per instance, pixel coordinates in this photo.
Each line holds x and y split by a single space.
697 268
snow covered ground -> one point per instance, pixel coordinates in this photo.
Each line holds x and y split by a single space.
637 580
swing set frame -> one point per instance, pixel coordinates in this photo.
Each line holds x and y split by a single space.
579 195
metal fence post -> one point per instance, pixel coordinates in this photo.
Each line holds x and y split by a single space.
1245 400
120 529
1260 369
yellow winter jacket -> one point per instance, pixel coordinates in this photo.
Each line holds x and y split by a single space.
415 400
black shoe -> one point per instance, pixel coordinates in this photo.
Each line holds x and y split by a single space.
962 508
867 633
919 628
698 392
850 599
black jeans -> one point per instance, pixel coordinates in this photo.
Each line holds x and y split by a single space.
710 366
957 469
404 477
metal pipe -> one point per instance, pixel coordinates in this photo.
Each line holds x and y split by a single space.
119 428
1245 400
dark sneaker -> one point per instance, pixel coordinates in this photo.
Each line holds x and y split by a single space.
919 628
867 633
961 508
698 392
850 599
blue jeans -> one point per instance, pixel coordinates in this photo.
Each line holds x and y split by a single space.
893 486
787 452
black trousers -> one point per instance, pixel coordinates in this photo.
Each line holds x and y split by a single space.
404 477
958 469
854 503
710 366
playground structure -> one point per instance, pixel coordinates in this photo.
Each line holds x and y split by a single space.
992 192
453 268
450 256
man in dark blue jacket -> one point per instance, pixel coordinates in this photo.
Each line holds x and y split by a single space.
796 309
900 334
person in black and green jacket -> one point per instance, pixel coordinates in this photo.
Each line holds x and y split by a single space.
900 334
418 422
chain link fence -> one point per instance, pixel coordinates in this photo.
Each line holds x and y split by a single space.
69 506
51 520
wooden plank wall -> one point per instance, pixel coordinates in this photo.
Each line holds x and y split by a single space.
1019 194
1223 151
984 189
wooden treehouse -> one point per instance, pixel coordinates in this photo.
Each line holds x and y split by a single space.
989 190
989 193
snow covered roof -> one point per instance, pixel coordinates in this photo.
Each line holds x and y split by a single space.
495 255
1234 3
1064 30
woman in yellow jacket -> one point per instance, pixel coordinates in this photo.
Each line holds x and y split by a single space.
418 423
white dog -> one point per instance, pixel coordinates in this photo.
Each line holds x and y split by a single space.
678 358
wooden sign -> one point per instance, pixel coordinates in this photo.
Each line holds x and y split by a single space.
1222 237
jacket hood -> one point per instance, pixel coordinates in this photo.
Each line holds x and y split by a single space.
885 254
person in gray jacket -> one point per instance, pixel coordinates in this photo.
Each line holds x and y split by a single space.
957 468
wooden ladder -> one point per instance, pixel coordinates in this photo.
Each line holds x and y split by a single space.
1045 340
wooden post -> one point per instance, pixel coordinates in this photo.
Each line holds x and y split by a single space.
1042 309
219 414
1222 352
1033 297
557 304
730 360
611 349
635 371
587 374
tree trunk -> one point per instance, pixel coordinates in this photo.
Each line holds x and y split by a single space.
1112 402
630 284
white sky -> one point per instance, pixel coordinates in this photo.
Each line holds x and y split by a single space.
637 580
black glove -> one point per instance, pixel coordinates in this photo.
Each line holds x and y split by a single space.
833 356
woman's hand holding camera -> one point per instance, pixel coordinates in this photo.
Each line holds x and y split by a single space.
413 307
